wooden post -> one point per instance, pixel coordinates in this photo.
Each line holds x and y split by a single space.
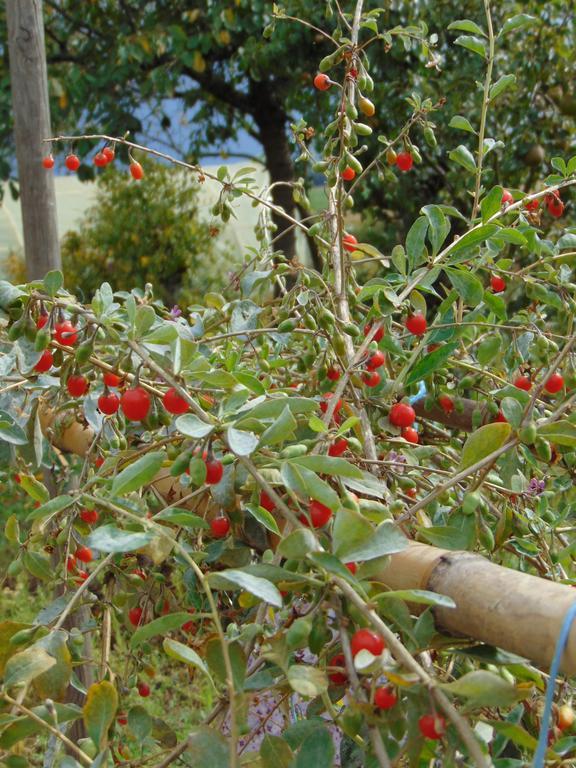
31 125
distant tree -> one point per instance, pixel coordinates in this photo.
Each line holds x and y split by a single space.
149 232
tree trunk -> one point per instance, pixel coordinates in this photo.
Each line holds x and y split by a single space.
271 121
31 125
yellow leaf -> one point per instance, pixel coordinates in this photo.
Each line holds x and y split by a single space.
99 711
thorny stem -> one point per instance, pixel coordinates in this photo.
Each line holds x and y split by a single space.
484 113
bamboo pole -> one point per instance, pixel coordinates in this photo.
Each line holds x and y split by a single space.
512 610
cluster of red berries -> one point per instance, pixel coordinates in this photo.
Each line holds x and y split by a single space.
101 159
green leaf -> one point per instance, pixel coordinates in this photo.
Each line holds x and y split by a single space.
468 285
420 596
215 659
416 239
137 474
185 654
463 157
461 123
496 304
241 443
351 529
34 488
561 432
306 680
24 666
182 517
207 748
483 442
328 465
160 626
501 85
473 238
484 689
51 507
139 722
24 727
467 25
317 750
510 235
439 226
297 544
516 22
275 752
386 540
472 43
449 536
191 426
110 538
264 517
305 483
273 407
250 381
53 683
489 348
491 203
236 579
38 564
197 471
53 281
99 710
11 432
145 319
282 429
512 410
331 564
317 425
163 334
430 363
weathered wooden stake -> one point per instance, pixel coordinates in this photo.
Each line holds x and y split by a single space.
31 125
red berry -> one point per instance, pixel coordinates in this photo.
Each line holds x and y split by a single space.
554 204
378 336
214 471
135 404
410 435
84 554
319 515
89 516
45 362
348 173
174 403
189 626
140 573
497 283
266 502
77 385
416 324
122 720
81 576
338 661
446 403
135 616
554 383
500 418
322 82
338 447
375 361
100 160
404 161
143 689
72 162
220 527
98 462
349 242
42 320
112 379
402 415
411 492
48 162
65 333
507 197
432 726
372 379
333 374
70 563
523 382
384 698
108 404
109 154
532 205
136 170
352 567
324 403
367 640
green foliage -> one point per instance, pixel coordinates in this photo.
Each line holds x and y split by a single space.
146 232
